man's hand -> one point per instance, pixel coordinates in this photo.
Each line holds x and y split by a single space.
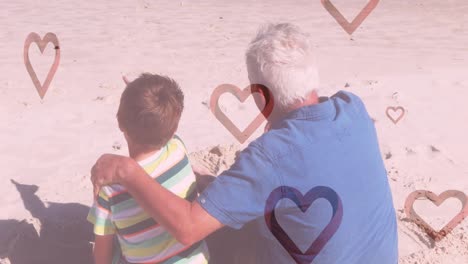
109 169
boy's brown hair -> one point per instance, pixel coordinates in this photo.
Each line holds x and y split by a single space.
150 110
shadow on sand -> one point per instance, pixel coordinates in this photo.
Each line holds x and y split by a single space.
64 235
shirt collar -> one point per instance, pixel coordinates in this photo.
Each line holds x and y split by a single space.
150 158
324 110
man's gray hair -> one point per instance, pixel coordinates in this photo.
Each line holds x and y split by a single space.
281 58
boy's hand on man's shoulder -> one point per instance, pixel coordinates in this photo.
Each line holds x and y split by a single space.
110 169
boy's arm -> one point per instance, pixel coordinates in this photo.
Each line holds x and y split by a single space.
103 249
100 216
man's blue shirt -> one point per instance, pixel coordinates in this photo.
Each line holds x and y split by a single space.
331 144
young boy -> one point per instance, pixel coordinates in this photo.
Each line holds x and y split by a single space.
148 115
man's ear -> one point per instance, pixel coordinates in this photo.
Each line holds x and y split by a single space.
259 96
263 99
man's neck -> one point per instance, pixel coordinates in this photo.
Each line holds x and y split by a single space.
311 99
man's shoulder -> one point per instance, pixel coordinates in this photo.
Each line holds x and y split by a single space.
284 139
347 96
350 101
273 144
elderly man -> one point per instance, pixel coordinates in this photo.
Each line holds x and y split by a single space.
314 183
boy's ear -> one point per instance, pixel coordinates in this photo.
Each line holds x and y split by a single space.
126 81
120 127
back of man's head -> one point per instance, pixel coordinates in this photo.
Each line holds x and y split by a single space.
281 58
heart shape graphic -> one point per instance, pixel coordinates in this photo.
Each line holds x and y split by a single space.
303 202
357 21
395 109
41 43
437 200
241 95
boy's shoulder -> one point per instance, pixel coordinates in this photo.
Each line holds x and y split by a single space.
174 145
177 140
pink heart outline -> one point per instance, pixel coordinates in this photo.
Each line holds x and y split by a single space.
395 109
41 43
303 202
241 95
437 200
357 21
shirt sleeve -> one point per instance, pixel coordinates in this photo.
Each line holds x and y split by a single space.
239 194
100 216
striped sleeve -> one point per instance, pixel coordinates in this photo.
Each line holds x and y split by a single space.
100 216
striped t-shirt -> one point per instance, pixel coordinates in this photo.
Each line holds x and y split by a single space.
142 240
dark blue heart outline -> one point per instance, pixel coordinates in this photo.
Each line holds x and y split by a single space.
303 202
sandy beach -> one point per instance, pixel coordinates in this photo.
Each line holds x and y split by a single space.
412 54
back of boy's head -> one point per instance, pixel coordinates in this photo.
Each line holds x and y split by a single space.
150 110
